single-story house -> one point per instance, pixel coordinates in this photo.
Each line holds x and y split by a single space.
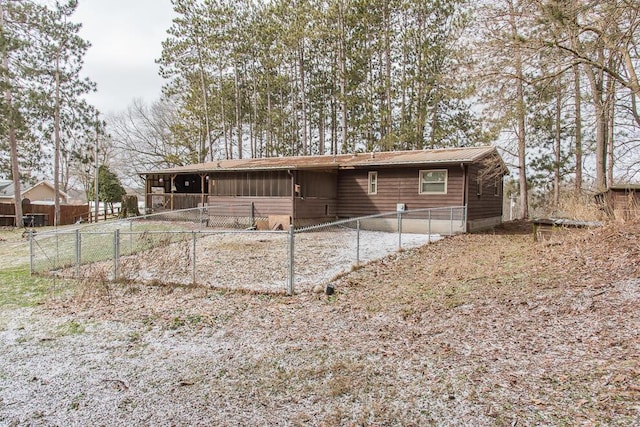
43 191
317 189
621 201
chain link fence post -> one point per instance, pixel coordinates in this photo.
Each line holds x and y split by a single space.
291 261
116 253
57 261
357 243
193 258
78 253
464 219
399 230
450 221
31 254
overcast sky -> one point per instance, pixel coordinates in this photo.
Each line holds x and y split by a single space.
126 37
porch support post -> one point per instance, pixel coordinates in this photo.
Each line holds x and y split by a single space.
202 189
173 185
147 191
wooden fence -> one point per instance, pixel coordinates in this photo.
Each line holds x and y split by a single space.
35 215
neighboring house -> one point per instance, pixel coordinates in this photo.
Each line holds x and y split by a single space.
316 189
621 201
43 191
38 205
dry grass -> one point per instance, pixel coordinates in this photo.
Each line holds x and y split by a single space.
484 329
580 207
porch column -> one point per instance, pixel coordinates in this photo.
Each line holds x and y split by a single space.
173 185
147 190
202 189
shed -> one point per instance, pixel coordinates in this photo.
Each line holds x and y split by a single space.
316 189
620 201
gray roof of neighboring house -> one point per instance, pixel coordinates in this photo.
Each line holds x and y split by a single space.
342 161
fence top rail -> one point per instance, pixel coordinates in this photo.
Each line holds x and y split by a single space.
381 215
148 232
447 208
125 221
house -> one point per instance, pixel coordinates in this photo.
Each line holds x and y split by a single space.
43 191
620 201
316 189
38 206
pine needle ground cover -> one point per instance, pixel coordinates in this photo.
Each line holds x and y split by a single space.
481 329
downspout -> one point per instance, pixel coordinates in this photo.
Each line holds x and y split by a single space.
293 196
465 193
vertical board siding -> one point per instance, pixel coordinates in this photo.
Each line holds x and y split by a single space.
317 183
263 206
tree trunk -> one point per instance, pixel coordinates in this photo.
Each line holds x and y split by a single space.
611 106
238 117
520 117
596 82
303 100
222 113
343 81
387 125
557 146
578 127
56 136
253 122
205 105
269 121
11 131
321 131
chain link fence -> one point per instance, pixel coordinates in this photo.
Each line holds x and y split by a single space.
192 247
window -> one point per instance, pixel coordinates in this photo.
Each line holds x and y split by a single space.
433 181
497 185
479 186
373 183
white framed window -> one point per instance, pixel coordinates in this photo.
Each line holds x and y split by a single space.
479 186
433 181
373 183
497 185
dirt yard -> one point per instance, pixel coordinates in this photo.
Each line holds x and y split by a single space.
482 329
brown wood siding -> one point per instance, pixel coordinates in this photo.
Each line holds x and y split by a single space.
241 206
316 208
487 204
395 185
317 184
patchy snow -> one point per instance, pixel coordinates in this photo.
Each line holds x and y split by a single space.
417 338
256 261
